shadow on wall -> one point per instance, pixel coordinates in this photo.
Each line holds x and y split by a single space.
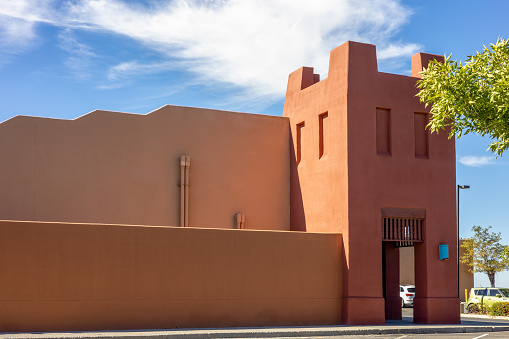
297 214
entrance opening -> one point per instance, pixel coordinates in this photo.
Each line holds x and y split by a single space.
390 269
398 238
407 280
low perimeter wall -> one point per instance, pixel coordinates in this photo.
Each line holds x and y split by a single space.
61 276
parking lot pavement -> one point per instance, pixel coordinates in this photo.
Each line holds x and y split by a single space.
484 320
466 319
471 327
487 335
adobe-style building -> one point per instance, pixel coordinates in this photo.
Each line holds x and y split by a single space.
189 217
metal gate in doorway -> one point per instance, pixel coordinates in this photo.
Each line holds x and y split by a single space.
403 232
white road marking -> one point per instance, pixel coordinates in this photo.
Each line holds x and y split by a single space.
404 336
480 336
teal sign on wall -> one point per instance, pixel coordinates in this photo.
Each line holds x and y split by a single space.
443 251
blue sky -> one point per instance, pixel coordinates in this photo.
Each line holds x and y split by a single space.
62 59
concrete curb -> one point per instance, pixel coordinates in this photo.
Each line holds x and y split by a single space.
258 333
484 316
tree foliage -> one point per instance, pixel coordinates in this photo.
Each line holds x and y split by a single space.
471 97
484 253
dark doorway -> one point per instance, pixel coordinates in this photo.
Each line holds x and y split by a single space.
402 230
390 269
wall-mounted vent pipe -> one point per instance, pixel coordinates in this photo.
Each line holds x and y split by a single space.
185 163
240 220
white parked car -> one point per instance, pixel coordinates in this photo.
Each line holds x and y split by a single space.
407 293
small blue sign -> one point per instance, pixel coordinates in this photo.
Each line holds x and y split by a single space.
443 251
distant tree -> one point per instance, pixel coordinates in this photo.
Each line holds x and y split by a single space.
470 97
484 253
468 254
506 255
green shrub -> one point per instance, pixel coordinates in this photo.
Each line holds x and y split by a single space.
498 309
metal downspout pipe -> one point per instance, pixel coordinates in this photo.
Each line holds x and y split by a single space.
185 163
240 220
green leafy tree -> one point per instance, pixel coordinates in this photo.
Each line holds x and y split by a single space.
506 255
484 253
472 97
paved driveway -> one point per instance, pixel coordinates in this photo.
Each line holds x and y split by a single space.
466 319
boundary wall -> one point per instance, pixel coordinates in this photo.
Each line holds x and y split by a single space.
66 276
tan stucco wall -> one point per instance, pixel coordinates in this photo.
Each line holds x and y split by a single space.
58 276
109 167
407 266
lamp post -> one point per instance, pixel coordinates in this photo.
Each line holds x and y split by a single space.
460 187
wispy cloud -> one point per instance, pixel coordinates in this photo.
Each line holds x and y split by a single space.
16 35
397 51
250 44
133 68
475 161
80 54
18 20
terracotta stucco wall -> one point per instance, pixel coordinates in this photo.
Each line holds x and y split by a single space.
60 276
319 182
109 167
402 178
346 191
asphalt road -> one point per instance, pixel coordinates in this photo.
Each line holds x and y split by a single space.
407 314
471 327
490 335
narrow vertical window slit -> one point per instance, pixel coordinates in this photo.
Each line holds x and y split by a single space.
299 141
323 134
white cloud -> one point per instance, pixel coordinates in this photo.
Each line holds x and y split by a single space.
29 10
130 68
250 44
111 86
15 34
18 20
475 161
80 55
398 51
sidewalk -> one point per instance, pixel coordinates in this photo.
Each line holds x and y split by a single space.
469 324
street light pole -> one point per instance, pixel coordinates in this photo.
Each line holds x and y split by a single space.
460 187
